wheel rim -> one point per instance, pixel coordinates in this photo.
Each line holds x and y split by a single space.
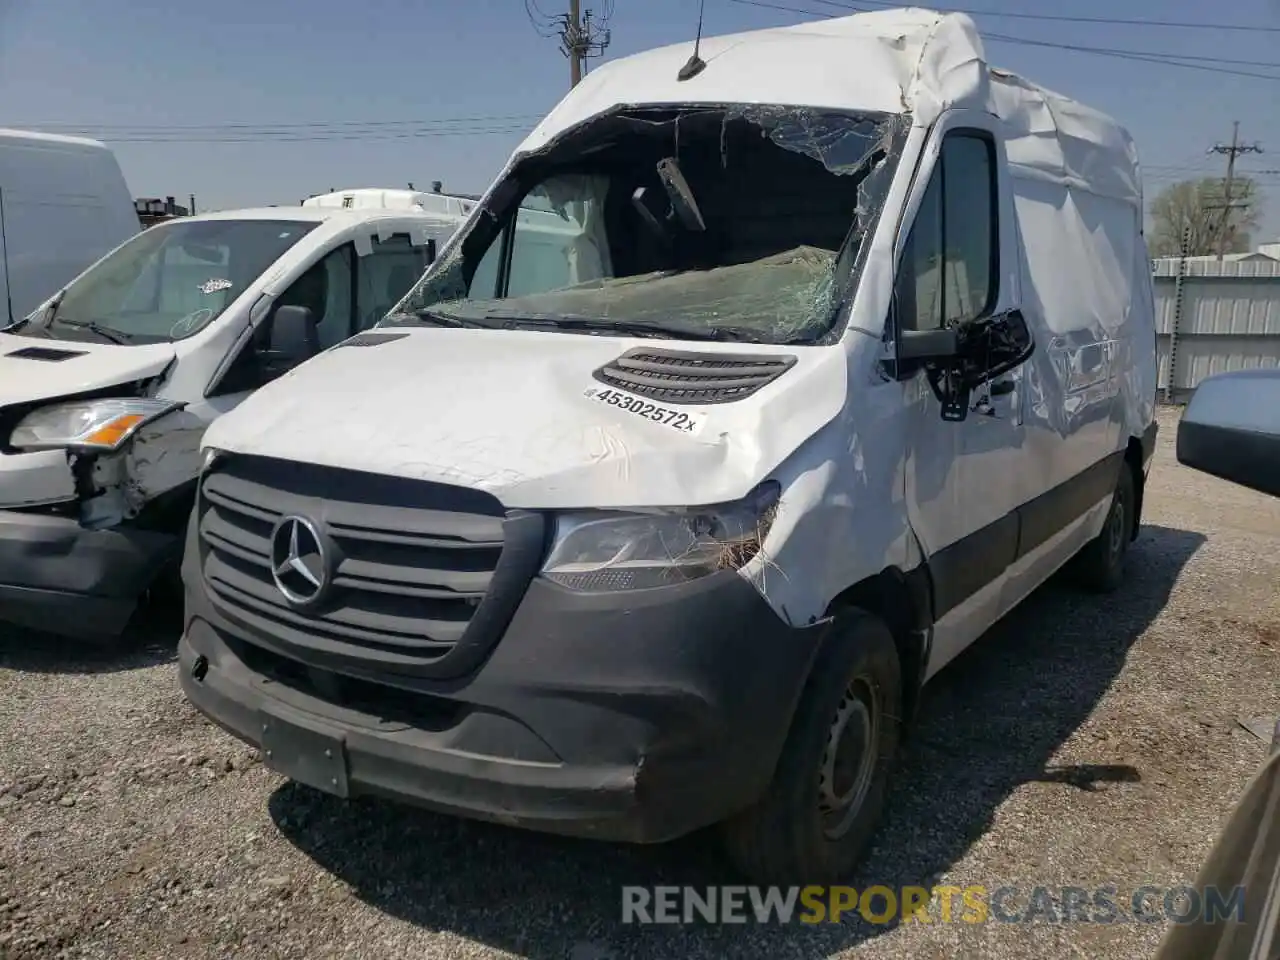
849 760
1115 528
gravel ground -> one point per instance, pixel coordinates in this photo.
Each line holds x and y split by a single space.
1081 742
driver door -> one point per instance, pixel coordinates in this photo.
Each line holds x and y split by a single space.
959 264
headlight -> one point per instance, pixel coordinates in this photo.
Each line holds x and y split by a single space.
91 425
599 551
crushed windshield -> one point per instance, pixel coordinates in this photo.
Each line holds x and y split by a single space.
167 283
741 222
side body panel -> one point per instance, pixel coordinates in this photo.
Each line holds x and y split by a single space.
983 510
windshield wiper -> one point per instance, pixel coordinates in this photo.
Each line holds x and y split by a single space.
634 328
93 326
437 318
28 323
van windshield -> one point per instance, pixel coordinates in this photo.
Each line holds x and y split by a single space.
167 283
738 222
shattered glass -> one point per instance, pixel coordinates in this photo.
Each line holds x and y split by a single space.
839 143
789 296
776 296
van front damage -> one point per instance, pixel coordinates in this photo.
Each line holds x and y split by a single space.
92 483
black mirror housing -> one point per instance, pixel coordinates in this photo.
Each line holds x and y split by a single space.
961 357
295 338
929 345
1231 429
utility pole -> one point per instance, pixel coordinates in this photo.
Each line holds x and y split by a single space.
582 33
1234 150
573 37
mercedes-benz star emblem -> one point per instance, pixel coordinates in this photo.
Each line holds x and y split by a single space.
299 561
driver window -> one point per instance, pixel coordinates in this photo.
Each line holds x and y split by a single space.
326 290
947 275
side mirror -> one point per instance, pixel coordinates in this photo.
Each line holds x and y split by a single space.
967 355
295 339
1231 429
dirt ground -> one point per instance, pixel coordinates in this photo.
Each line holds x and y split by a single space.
1082 742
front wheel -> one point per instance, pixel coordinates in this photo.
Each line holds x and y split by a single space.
1100 565
827 793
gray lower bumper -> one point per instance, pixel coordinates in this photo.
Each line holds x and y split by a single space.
58 577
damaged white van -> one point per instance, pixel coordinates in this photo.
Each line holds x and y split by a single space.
848 346
107 387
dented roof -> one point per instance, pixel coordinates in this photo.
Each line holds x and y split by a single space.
907 60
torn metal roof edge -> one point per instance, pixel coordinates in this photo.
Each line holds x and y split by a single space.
909 60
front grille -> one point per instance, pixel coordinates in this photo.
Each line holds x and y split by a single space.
424 576
670 376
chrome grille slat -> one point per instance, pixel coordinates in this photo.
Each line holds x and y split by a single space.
412 561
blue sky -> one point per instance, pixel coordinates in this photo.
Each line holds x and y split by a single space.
384 81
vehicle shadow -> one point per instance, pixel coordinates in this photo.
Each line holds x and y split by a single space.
151 639
988 724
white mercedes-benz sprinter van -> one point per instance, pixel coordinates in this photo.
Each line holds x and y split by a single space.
848 346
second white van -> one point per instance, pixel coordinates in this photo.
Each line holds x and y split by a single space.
63 204
107 387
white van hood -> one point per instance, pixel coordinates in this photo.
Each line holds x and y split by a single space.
508 412
89 366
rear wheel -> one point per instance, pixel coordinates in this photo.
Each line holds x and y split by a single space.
827 793
1100 565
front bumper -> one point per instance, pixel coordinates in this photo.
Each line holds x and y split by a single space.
60 578
639 716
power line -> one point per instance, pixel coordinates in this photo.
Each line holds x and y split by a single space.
269 125
1141 56
546 26
240 137
1063 18
1144 56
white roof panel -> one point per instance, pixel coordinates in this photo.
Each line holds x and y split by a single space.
907 60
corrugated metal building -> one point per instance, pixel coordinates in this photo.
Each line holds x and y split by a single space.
1214 316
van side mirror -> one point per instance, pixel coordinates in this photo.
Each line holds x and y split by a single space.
1231 429
967 355
295 338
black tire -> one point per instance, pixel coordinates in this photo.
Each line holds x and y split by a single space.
1099 567
786 838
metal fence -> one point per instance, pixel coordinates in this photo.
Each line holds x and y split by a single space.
1214 316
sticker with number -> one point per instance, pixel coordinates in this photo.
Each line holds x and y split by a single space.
686 422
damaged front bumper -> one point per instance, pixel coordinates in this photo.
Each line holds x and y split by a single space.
636 717
58 577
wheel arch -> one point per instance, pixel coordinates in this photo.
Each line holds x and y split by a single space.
1133 458
904 603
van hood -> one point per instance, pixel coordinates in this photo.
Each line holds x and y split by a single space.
522 415
33 368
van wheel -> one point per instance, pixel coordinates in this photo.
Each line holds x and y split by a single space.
1100 565
828 790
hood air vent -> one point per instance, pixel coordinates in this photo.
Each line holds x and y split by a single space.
47 354
669 376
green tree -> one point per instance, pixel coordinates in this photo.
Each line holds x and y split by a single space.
1197 206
